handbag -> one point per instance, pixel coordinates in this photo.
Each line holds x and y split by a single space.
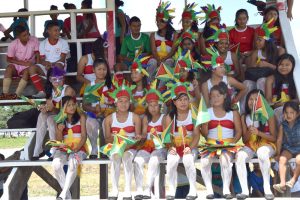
255 73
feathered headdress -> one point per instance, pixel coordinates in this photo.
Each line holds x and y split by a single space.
184 60
122 91
153 93
162 11
187 34
220 33
190 13
211 12
175 89
213 60
140 63
266 29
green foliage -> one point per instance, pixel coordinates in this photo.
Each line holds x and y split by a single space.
8 143
8 111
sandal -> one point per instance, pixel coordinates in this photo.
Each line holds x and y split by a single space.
13 96
278 188
3 96
290 184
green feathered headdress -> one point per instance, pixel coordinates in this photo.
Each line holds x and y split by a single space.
189 12
176 88
122 91
266 29
140 63
211 12
213 60
163 12
187 34
153 93
220 33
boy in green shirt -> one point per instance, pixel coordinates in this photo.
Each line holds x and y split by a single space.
132 43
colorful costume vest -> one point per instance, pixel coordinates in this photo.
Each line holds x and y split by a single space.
72 136
183 138
163 46
155 128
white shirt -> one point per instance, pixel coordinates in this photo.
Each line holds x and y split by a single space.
52 52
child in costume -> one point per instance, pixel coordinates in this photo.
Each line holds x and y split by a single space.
224 127
259 139
185 138
152 151
97 103
128 125
280 87
212 17
185 68
85 73
139 79
162 40
221 39
189 21
72 131
215 63
273 13
288 145
55 91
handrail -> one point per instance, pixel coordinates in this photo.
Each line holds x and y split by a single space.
47 12
109 10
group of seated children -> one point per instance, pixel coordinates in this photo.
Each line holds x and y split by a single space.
152 115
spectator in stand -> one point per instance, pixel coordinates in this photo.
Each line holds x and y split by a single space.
120 28
132 43
21 20
53 52
280 87
22 54
90 27
85 72
288 145
67 21
72 61
263 60
53 19
289 6
241 38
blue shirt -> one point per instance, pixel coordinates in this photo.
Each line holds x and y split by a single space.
19 21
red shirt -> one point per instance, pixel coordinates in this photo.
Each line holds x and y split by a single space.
245 38
67 22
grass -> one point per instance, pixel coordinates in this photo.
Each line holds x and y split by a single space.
89 182
8 143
